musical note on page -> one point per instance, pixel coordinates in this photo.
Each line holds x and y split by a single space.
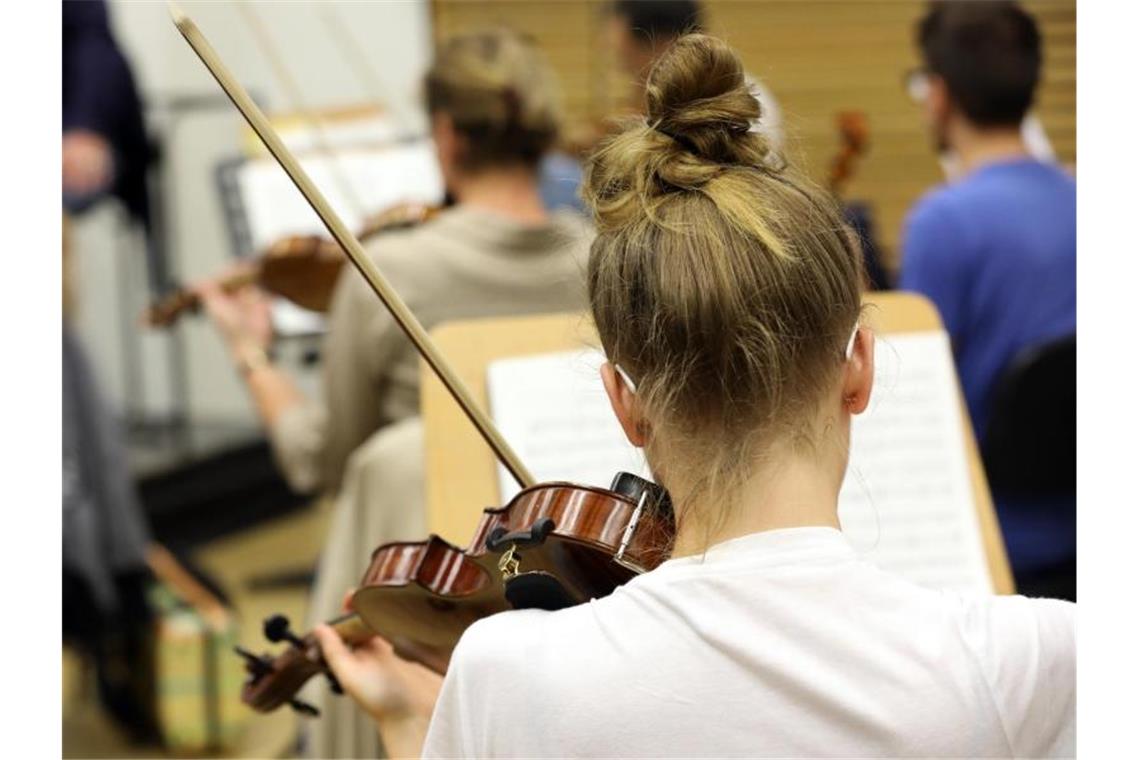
906 503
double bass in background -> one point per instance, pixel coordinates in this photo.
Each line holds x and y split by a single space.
552 545
854 142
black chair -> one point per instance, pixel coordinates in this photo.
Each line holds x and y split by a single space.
1029 447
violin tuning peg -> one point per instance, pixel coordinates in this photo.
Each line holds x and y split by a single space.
304 708
255 665
276 628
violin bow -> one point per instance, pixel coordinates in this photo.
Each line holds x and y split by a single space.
298 103
351 246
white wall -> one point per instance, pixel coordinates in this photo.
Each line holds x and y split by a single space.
396 37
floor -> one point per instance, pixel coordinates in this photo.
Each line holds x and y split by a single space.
290 543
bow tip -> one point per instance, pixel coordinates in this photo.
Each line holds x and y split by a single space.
177 14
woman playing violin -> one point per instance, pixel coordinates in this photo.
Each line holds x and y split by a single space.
494 114
726 288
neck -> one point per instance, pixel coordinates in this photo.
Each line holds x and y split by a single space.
512 193
977 146
791 491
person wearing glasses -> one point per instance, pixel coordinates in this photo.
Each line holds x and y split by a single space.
996 247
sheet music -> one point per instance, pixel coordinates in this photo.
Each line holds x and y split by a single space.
376 179
299 136
906 503
379 179
553 410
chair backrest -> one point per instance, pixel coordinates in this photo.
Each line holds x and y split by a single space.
1030 444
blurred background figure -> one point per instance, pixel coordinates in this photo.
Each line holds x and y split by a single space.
105 614
105 536
104 142
996 251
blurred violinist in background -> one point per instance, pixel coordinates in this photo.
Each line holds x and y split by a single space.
995 249
495 111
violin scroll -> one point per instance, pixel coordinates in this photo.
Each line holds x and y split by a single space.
275 681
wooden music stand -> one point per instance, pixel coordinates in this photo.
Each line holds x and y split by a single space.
460 470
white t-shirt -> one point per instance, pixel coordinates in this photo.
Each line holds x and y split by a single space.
779 643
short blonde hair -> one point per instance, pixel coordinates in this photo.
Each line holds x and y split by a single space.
501 94
722 281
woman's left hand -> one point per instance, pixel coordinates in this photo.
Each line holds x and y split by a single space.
242 318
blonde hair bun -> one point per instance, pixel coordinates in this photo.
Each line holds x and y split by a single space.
698 129
697 94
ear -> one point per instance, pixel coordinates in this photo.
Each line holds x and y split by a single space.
446 140
859 373
938 103
624 403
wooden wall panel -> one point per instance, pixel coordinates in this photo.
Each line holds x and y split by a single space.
818 57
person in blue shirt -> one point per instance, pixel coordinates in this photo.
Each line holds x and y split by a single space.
996 247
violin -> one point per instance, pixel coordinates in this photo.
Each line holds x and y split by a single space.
553 545
301 268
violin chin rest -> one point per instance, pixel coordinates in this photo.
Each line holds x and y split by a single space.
537 590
